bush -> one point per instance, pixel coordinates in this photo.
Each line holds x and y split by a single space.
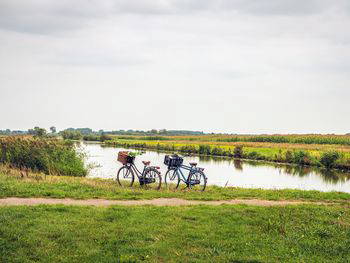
238 151
302 158
44 155
217 151
188 149
204 149
91 137
254 156
71 135
105 137
289 156
329 158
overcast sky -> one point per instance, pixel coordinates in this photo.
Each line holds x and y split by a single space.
240 66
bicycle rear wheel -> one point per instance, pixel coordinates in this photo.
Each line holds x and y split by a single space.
197 181
172 179
151 179
125 176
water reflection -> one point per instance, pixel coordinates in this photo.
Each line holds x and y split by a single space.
330 176
226 171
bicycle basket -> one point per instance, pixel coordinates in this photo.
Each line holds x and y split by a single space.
124 158
173 160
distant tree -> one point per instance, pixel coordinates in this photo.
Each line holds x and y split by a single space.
53 129
71 135
162 131
154 131
39 132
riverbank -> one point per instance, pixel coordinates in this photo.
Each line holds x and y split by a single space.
15 183
328 156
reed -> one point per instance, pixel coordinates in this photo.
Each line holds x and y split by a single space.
50 156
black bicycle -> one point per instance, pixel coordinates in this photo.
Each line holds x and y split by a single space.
195 180
149 178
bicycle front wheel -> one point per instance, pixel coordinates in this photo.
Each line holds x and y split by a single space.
125 177
151 179
172 179
197 181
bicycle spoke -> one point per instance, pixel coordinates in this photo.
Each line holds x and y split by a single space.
151 179
125 177
172 179
197 181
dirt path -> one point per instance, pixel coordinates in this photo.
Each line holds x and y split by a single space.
14 201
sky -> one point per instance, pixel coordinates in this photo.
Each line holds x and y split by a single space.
235 66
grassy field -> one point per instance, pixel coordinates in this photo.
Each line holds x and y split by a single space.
175 234
322 155
12 184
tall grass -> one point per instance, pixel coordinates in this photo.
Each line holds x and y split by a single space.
50 156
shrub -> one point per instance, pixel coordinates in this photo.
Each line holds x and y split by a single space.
238 151
204 149
329 158
71 135
217 151
188 149
91 137
302 158
289 156
45 155
105 137
254 156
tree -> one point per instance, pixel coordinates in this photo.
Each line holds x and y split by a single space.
53 129
39 132
71 135
163 131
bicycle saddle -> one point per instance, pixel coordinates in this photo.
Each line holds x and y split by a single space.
146 162
193 164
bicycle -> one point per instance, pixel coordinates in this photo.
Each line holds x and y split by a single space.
196 179
149 178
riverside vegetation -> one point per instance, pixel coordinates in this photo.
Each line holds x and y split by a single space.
295 149
47 155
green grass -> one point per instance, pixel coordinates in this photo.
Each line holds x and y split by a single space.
36 185
175 234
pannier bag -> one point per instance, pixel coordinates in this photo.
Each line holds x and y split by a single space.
124 158
173 160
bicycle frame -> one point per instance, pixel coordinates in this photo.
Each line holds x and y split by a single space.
135 170
181 175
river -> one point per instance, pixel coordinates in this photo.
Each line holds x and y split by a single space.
226 171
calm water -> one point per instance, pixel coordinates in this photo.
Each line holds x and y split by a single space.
221 171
